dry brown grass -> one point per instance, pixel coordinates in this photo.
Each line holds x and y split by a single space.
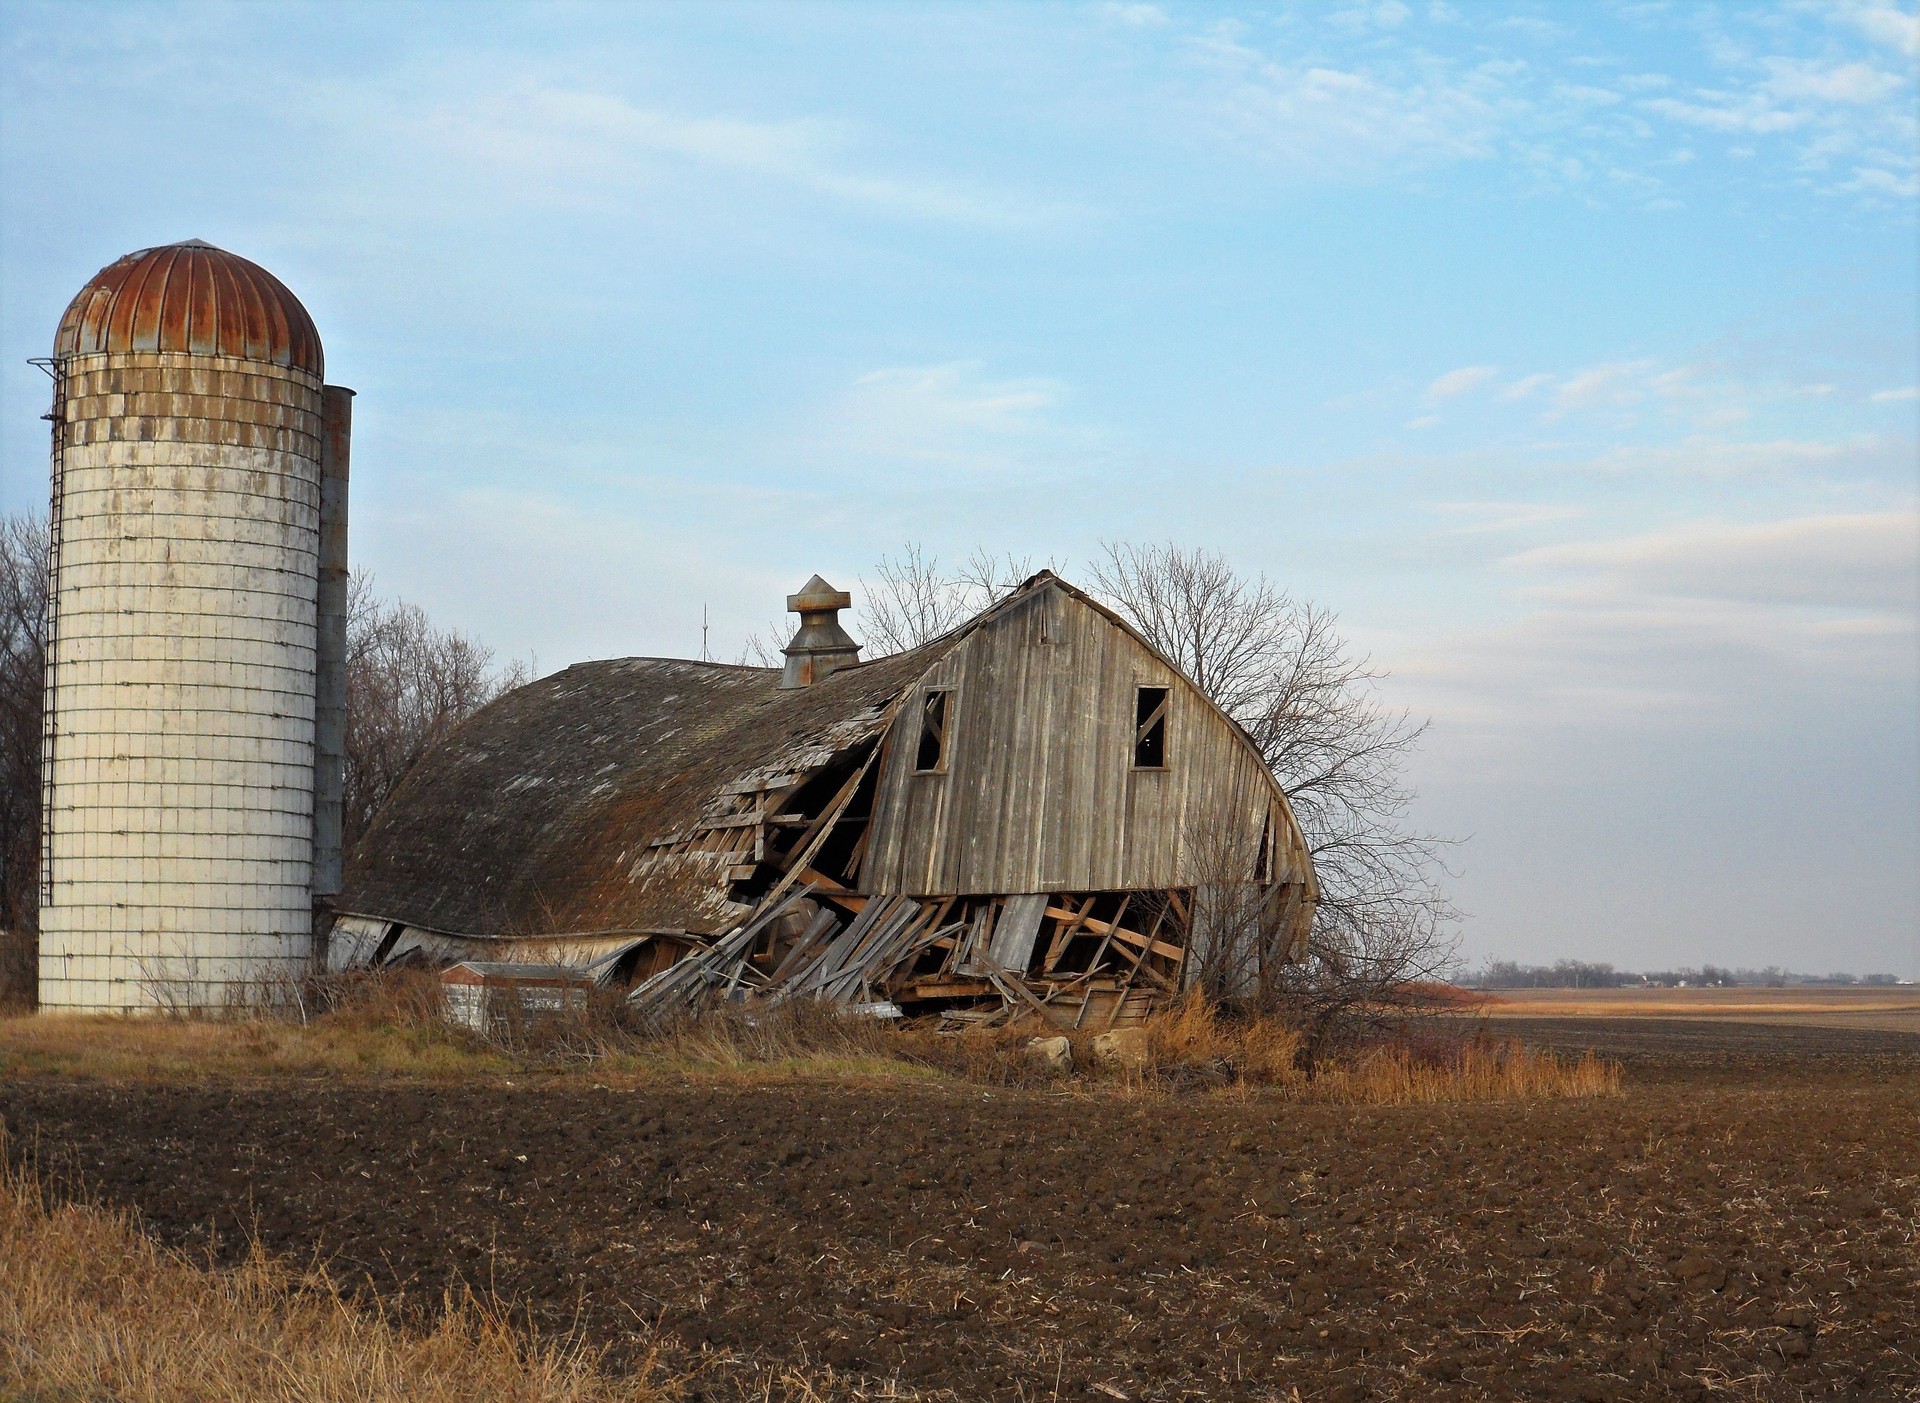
1193 1036
1478 1070
163 1049
90 1308
1418 1065
390 1024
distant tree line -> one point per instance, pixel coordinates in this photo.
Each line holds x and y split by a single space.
1579 974
408 684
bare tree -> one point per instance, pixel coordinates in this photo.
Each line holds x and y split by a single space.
914 601
23 650
408 684
1278 666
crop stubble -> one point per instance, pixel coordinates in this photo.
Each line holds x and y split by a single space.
1747 1235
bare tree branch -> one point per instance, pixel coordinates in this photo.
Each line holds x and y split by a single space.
915 602
408 685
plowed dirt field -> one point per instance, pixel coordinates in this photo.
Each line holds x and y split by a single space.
1749 1231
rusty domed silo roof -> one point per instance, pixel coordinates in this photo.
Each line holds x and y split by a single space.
190 297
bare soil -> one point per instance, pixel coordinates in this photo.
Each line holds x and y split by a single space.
1744 1222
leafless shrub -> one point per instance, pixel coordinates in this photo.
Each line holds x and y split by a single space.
403 997
408 685
24 543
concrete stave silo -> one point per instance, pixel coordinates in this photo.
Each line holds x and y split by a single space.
179 820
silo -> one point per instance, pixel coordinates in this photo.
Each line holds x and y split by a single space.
190 446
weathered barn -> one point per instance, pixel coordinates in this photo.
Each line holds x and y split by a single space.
1034 812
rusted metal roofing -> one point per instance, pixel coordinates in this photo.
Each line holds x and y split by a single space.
191 297
536 816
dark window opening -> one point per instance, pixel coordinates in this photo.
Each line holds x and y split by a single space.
1263 860
1150 728
932 752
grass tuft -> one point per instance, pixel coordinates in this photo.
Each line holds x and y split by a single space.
1478 1069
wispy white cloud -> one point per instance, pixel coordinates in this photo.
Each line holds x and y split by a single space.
1850 116
1888 25
1856 83
1526 386
1369 92
1458 382
954 419
1498 518
1134 16
1613 385
1864 561
1377 14
1702 396
539 143
1905 392
1786 95
1875 180
1341 122
1710 455
1684 627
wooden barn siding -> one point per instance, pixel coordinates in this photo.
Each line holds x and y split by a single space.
1040 793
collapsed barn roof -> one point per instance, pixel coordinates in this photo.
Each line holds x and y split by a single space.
537 815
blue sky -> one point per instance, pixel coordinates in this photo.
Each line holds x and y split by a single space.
1567 351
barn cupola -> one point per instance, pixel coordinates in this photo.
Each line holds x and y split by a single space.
820 646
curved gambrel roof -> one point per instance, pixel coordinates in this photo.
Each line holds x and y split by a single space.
538 814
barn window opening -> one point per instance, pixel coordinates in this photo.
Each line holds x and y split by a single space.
1150 728
1263 859
931 755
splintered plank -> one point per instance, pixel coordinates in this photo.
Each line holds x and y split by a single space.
1019 928
820 881
941 986
1015 991
817 931
1145 945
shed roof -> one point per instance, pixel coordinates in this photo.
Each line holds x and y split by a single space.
507 972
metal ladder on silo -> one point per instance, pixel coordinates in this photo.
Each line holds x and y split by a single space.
49 722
